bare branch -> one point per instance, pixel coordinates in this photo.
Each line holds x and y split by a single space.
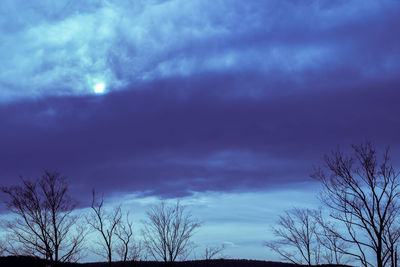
362 194
105 224
297 233
211 252
168 230
44 224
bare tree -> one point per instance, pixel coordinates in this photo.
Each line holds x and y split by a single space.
137 251
362 195
297 233
127 248
132 251
168 231
44 224
391 238
124 232
106 225
211 252
333 246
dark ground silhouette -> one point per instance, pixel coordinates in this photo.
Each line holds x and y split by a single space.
25 261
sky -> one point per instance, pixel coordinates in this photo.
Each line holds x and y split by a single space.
227 105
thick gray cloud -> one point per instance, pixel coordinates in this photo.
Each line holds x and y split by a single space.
167 143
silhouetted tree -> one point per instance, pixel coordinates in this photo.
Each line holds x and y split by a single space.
167 232
362 195
124 232
44 224
127 248
137 251
333 246
212 252
2 249
104 223
297 233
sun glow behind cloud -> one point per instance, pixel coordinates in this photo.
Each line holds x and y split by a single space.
134 41
99 88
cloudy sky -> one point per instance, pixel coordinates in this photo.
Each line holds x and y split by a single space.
227 104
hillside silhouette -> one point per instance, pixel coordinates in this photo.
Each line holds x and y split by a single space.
24 261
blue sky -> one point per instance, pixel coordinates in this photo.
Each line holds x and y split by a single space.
201 100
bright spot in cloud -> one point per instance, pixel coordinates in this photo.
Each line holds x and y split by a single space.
99 88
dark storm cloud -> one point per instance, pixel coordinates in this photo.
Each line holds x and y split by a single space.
158 140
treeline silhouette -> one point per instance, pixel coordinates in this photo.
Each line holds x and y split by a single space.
358 223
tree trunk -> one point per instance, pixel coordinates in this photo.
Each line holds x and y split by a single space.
379 262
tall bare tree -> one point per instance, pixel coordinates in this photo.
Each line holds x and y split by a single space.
168 231
44 224
127 247
105 223
362 194
124 232
297 233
